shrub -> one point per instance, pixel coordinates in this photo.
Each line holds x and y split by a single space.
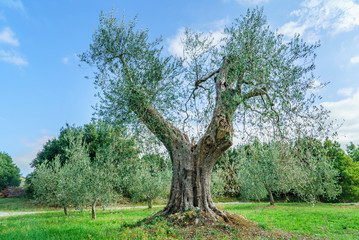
11 192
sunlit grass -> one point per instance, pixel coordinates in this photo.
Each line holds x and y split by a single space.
328 221
331 221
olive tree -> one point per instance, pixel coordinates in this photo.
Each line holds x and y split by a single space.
78 182
275 167
63 184
100 180
265 169
253 77
47 186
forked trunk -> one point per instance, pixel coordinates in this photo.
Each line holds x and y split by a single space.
192 163
190 189
192 169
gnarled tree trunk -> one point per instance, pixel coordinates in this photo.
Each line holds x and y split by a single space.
193 163
192 168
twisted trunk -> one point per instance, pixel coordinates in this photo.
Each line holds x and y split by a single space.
192 163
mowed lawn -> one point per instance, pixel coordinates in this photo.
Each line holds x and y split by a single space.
330 221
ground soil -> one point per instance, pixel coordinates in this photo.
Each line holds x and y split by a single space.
196 225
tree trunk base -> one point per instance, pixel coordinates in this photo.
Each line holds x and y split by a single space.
192 223
197 217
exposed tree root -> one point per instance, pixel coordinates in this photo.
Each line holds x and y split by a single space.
192 223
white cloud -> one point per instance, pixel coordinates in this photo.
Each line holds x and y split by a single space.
354 60
345 91
7 36
65 60
176 46
331 15
16 4
291 28
70 59
219 24
347 110
23 161
12 57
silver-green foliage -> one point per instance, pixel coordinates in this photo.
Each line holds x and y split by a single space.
275 167
263 169
146 183
79 181
218 183
318 178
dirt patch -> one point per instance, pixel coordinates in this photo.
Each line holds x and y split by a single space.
196 225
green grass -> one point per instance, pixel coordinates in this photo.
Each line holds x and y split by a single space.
79 225
20 205
332 221
323 221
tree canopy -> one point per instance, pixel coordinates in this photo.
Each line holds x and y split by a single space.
252 76
268 79
96 135
9 172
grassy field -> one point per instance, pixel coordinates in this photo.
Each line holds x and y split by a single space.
322 221
331 221
20 205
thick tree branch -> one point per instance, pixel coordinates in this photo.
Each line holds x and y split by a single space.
254 93
154 121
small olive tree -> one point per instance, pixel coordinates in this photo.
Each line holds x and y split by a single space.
277 167
78 182
264 170
50 188
100 183
149 179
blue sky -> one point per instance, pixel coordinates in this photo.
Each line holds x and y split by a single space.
43 88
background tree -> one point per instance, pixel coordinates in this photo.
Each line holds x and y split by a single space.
348 169
9 172
353 151
46 185
265 169
100 180
226 171
149 179
318 177
254 73
77 182
96 135
276 168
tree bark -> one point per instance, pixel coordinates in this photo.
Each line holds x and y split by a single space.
193 163
65 211
93 209
271 198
